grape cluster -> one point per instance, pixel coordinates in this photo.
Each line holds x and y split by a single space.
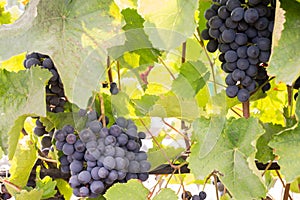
55 98
188 196
242 31
98 157
296 86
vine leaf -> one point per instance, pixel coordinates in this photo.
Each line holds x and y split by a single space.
288 150
22 162
145 104
75 35
137 45
193 76
64 188
21 94
165 193
168 22
233 156
156 156
264 151
29 195
47 185
286 145
133 189
286 52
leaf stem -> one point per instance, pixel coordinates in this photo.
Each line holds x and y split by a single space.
10 184
164 64
102 110
47 159
169 125
119 75
290 99
216 185
209 60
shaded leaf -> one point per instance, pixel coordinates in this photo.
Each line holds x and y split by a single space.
21 94
264 152
193 77
285 59
156 156
233 155
75 35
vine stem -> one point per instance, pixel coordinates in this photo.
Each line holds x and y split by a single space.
183 126
164 64
283 185
109 72
173 128
162 150
290 99
47 159
209 60
102 110
246 109
216 185
119 75
286 192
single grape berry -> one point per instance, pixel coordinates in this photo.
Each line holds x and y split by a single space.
113 88
202 195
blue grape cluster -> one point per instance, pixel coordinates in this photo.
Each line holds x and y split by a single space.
55 96
188 196
98 157
242 31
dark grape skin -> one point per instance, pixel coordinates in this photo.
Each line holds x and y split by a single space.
113 88
237 14
251 15
228 35
46 141
202 195
243 95
212 46
232 91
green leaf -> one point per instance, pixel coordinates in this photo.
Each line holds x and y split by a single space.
286 145
285 59
166 193
264 152
156 156
168 23
23 161
121 105
75 35
15 63
29 195
60 119
145 104
21 94
137 43
47 185
133 189
233 156
170 105
64 188
192 78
